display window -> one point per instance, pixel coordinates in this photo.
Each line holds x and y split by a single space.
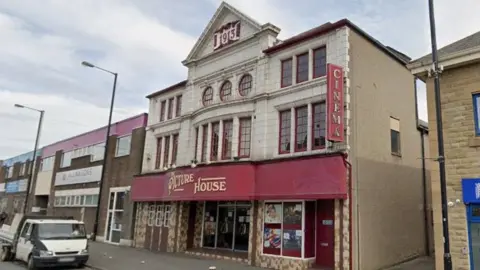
284 226
226 225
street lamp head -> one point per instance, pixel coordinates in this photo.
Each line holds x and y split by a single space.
87 64
19 106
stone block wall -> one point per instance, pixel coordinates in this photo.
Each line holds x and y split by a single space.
462 156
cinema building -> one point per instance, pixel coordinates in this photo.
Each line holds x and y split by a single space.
284 154
68 181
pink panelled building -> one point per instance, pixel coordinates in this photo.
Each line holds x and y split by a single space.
69 174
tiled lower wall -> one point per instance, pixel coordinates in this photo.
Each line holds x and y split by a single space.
269 261
177 239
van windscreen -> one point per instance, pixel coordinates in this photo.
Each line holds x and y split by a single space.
51 231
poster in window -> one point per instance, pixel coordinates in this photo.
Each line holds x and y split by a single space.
273 213
271 238
292 239
292 214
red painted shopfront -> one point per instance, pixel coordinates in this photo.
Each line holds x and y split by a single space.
315 180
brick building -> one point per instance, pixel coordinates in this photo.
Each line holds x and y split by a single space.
285 154
13 181
70 170
460 101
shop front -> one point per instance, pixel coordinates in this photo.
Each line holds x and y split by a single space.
265 214
471 198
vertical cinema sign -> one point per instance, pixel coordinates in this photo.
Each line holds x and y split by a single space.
335 108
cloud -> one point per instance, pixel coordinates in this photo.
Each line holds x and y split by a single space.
43 43
65 117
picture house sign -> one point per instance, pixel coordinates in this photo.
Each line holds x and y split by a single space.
226 34
177 182
335 106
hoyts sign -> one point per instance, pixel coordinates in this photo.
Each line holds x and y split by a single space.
226 35
335 107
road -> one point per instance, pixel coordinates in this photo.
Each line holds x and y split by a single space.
16 266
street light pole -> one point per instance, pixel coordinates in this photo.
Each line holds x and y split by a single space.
34 155
447 259
105 153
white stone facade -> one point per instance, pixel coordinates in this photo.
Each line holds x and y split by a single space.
262 104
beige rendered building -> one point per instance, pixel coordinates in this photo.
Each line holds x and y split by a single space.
460 101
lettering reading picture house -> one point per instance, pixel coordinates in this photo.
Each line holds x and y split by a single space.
284 154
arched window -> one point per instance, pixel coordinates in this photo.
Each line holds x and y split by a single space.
245 85
226 91
207 97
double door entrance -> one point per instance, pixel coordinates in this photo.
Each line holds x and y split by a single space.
226 225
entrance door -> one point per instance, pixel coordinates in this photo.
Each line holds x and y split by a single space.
113 232
325 233
474 234
192 216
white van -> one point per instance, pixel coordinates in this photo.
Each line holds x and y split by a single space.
45 242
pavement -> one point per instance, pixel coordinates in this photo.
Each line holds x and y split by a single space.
422 263
22 266
110 257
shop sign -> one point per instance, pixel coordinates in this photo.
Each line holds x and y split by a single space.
335 106
471 190
177 182
16 186
80 176
226 34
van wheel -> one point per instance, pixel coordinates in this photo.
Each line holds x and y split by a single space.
31 265
5 254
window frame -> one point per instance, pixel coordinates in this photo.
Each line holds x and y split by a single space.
399 144
282 64
117 146
241 83
163 104
240 137
476 116
178 106
197 130
174 148
223 96
203 157
166 151
297 80
207 102
313 126
158 154
170 108
212 142
314 76
398 134
297 149
280 128
227 154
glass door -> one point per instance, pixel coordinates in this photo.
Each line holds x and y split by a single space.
113 230
474 234
242 228
226 217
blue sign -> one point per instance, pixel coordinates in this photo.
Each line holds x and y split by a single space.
471 190
11 187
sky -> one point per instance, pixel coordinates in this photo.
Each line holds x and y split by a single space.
144 41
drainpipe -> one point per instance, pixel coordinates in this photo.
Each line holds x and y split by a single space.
423 131
350 209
